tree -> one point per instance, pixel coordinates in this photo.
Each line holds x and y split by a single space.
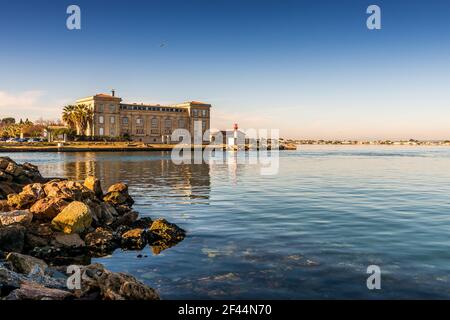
79 117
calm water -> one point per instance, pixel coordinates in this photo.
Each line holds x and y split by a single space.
308 232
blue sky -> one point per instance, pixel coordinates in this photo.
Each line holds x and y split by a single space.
310 68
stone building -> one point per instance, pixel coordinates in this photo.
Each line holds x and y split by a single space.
149 123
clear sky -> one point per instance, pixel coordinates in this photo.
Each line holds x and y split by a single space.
310 68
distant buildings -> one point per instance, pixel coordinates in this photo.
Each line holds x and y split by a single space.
148 123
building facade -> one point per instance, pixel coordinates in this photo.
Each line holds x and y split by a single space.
146 123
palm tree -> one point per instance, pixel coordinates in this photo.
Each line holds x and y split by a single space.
68 116
78 116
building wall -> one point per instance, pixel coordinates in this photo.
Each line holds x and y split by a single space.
145 123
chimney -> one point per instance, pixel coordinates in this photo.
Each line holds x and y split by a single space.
113 92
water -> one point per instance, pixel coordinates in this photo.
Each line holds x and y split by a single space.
308 232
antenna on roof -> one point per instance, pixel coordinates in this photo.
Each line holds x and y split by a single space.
113 92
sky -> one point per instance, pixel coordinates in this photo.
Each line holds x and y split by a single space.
309 68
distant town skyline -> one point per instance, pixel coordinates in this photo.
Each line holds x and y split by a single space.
309 68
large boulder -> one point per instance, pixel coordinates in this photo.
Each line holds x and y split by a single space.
113 286
75 218
12 238
68 240
22 217
101 241
48 208
169 232
118 195
93 184
21 200
14 169
134 239
33 291
36 190
25 264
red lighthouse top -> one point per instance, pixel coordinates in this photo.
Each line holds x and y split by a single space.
235 126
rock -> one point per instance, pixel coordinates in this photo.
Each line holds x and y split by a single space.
94 185
7 188
22 217
101 240
62 256
36 190
126 220
25 264
4 162
9 281
68 240
169 232
103 214
12 238
48 208
32 241
34 291
6 177
14 169
143 223
134 239
114 286
75 218
21 200
118 195
4 206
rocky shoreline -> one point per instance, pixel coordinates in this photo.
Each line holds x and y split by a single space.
51 228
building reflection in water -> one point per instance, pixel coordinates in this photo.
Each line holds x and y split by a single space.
149 176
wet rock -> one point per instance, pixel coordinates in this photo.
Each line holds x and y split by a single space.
75 218
114 286
169 232
68 240
94 185
118 195
22 217
4 162
25 264
12 238
101 240
134 239
34 291
68 190
21 200
48 208
6 189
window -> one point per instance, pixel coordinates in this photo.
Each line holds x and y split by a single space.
204 113
113 120
139 121
112 132
100 108
154 123
101 119
181 123
139 131
168 123
125 120
112 108
203 124
101 131
195 113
